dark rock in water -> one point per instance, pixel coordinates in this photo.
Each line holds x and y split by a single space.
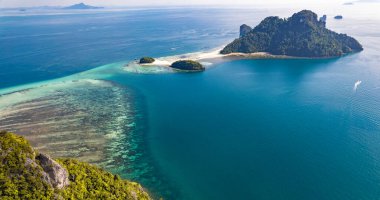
188 65
54 173
244 30
338 17
301 35
82 6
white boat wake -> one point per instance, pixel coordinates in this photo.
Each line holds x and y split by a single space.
356 85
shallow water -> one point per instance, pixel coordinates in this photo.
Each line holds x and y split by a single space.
243 129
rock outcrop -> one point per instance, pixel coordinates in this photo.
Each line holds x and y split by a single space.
53 173
244 30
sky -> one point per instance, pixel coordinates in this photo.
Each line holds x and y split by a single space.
131 3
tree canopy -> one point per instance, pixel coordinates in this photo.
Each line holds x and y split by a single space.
301 35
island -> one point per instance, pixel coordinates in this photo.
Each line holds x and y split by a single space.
46 178
301 35
146 60
338 17
187 65
82 6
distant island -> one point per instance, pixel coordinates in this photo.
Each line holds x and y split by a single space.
338 17
83 6
27 174
348 3
301 35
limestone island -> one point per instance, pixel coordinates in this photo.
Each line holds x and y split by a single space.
301 35
82 6
146 60
27 174
187 65
338 17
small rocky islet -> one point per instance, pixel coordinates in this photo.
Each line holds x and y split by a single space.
188 65
146 60
182 65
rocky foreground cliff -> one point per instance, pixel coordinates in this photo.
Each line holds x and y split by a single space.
27 174
301 35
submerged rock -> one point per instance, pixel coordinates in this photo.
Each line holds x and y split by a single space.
323 19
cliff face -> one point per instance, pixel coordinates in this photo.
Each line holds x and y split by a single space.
300 35
244 30
26 174
53 173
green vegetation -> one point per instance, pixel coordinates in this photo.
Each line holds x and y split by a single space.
90 182
188 65
300 35
22 177
19 180
145 60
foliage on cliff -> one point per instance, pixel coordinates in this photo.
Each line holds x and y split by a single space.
19 177
90 182
299 35
22 177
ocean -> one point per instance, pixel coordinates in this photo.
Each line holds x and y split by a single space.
243 129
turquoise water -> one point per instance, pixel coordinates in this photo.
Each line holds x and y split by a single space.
243 129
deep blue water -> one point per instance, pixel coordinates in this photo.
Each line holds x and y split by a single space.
41 47
244 129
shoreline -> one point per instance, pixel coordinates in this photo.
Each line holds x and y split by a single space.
208 58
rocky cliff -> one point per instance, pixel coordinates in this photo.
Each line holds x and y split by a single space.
27 174
301 35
